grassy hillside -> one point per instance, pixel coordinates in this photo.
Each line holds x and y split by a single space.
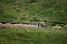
32 36
33 10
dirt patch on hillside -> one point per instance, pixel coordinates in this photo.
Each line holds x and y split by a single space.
8 25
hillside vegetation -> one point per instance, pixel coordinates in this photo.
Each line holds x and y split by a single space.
33 10
33 36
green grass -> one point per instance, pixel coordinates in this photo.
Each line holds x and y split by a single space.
39 10
32 36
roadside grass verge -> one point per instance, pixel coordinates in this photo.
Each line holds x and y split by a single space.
32 36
